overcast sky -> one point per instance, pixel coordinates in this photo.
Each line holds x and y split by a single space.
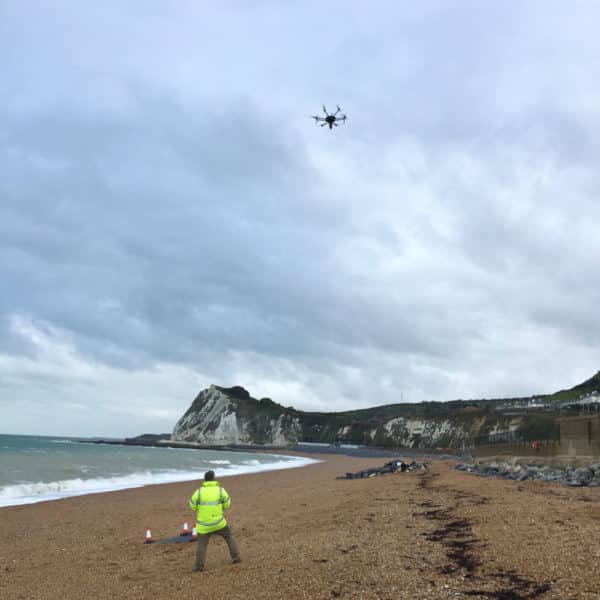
171 217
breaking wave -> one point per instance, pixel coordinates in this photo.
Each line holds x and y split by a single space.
31 492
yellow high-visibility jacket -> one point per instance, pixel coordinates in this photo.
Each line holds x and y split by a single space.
208 502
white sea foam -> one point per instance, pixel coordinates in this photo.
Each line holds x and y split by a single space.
219 462
88 468
31 492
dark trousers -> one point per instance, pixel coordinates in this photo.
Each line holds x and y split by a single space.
226 534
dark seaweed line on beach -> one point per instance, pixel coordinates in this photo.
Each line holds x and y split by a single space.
461 545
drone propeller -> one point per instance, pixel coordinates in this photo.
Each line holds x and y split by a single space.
337 111
325 110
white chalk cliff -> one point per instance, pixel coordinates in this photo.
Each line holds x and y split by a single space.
221 416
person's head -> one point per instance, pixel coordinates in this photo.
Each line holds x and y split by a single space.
209 476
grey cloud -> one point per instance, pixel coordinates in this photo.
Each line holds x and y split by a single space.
166 199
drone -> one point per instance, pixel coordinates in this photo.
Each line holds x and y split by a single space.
331 120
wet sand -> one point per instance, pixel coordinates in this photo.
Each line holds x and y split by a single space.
304 534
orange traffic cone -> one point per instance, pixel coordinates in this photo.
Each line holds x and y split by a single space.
194 534
149 539
186 529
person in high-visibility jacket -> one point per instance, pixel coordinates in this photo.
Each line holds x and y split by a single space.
208 502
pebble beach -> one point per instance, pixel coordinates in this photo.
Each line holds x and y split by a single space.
302 533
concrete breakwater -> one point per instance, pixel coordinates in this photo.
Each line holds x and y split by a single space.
572 476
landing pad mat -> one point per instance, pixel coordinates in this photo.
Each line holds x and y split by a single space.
177 539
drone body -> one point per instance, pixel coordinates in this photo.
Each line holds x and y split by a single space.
332 120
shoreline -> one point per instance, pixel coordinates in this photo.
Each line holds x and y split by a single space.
300 447
35 492
71 488
175 444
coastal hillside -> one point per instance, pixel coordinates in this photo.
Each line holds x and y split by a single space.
223 416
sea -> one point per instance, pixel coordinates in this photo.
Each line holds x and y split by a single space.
35 468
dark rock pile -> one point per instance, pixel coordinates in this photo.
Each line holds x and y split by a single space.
393 466
572 476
